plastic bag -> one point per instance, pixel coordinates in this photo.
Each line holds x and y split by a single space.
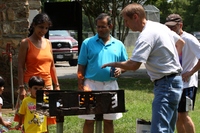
143 126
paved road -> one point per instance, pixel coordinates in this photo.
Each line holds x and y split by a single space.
65 71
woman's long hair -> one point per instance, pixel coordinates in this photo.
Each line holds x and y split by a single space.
39 19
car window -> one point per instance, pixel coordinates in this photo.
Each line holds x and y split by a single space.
58 33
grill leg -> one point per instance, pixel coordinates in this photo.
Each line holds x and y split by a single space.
59 125
99 119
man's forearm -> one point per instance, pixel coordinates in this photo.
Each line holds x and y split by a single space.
126 65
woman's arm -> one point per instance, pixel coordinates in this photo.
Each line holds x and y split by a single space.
21 67
54 77
53 73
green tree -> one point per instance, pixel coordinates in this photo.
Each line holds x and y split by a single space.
92 8
188 9
192 16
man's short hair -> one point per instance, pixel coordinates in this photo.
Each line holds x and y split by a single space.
102 16
173 19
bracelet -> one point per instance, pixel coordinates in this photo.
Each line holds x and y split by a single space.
57 85
21 86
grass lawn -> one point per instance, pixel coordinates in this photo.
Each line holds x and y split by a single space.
138 98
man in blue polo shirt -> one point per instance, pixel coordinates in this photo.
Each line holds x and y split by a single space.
96 51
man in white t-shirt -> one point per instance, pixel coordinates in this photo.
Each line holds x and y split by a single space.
156 48
190 61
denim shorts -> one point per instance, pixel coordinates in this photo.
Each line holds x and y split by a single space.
167 94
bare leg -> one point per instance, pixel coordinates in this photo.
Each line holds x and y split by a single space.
108 126
184 123
88 126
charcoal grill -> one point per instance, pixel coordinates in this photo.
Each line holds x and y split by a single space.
62 103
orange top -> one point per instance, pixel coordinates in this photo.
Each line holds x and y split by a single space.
38 62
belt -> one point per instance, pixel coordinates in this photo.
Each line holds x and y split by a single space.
169 76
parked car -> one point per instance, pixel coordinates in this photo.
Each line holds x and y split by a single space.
197 35
65 47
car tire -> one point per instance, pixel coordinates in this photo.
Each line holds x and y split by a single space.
73 62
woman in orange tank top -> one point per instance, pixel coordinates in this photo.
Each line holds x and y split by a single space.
35 59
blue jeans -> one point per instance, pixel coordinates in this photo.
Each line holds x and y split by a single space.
167 94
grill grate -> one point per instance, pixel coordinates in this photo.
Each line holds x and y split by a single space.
68 102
